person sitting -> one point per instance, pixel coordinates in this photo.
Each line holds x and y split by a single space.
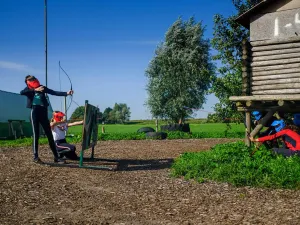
59 126
289 135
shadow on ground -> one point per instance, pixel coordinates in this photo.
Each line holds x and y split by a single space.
117 164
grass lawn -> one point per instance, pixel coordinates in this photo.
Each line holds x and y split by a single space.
132 128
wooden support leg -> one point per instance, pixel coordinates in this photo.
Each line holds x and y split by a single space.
248 129
264 121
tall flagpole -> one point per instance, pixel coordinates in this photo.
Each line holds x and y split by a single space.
46 41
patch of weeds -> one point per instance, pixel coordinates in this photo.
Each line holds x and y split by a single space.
234 163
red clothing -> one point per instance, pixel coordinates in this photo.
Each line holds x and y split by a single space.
291 138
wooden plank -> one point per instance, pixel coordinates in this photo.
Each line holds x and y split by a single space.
277 108
245 74
286 103
265 98
275 47
275 81
276 52
276 87
275 62
278 76
277 41
275 67
277 92
274 72
276 57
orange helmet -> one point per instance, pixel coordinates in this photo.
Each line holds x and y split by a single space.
58 116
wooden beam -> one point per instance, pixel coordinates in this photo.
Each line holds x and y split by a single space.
276 92
248 128
277 71
263 123
275 81
247 58
286 109
275 62
276 87
275 67
238 104
265 98
275 77
286 104
278 41
276 52
276 57
249 103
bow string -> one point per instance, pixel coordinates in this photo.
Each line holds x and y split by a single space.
71 96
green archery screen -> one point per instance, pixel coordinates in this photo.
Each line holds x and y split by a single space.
90 127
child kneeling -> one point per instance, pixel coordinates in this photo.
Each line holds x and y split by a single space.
59 126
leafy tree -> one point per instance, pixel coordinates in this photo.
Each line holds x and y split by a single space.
100 117
179 74
121 113
78 114
228 36
105 116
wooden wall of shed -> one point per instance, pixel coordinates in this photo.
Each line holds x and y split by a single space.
275 25
283 5
274 67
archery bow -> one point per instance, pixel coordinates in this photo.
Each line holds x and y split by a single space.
71 96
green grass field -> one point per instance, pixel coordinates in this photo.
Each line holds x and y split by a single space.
129 132
132 128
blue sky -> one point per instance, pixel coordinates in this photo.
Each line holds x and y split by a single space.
105 46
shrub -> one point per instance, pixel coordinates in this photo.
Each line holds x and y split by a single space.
234 163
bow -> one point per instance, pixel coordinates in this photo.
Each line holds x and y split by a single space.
71 97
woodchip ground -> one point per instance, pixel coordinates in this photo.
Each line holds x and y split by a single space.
140 192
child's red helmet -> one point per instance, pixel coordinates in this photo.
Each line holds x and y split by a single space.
58 116
33 83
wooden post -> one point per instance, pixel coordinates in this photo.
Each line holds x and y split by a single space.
246 62
264 121
248 129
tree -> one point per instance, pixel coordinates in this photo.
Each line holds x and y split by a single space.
78 114
105 116
179 74
228 36
121 113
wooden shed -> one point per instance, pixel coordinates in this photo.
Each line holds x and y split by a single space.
271 59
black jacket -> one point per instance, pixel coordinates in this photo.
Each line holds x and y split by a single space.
30 94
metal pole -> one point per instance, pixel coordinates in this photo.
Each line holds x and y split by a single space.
46 41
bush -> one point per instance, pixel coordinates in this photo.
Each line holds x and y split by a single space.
234 163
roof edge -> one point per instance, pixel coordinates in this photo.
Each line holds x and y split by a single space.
243 19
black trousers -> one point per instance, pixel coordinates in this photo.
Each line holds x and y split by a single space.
65 149
39 116
286 152
63 146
